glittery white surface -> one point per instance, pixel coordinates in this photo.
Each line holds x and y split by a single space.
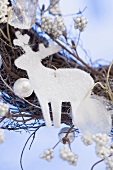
53 86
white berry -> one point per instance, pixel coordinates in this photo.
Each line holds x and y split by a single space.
67 155
101 139
4 9
87 139
55 28
80 23
48 154
109 163
102 151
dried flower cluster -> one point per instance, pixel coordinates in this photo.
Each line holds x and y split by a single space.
55 27
4 9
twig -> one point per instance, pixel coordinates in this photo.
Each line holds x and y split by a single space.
52 5
9 71
7 27
65 139
4 35
80 12
17 96
8 44
56 144
26 145
22 120
73 54
69 131
107 82
97 163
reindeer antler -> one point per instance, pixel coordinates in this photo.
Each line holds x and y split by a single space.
55 48
41 47
22 40
52 49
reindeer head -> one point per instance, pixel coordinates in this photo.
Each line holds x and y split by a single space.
24 60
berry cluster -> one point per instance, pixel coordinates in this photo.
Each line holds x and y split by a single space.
54 9
102 151
55 27
47 24
48 154
58 26
4 10
67 155
80 23
109 163
101 139
86 139
1 135
111 148
3 109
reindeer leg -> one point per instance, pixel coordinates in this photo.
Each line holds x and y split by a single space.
45 110
56 110
74 106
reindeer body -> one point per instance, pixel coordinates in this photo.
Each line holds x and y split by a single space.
54 86
60 82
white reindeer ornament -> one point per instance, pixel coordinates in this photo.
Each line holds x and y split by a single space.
52 86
